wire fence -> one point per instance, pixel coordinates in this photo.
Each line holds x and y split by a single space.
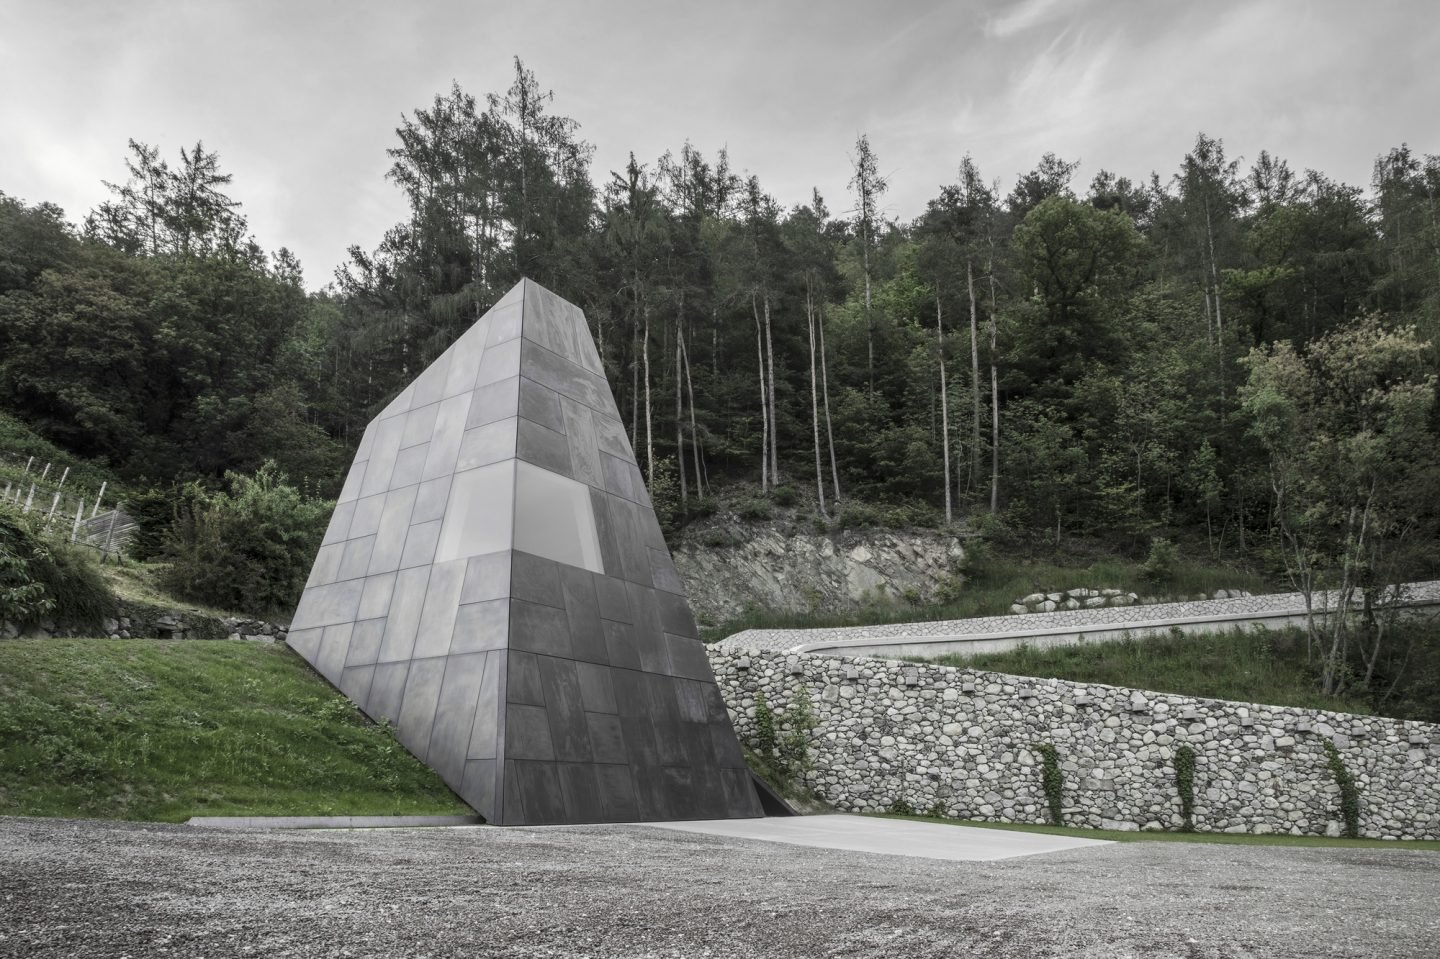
38 489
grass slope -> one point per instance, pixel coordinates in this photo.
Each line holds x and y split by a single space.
153 730
1251 666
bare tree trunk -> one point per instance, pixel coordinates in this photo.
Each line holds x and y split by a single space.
1219 320
649 434
774 419
680 414
764 402
814 397
635 374
974 377
825 398
694 432
994 398
944 404
869 324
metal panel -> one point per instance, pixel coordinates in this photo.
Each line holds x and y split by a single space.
449 430
375 598
394 525
442 601
417 709
455 716
487 444
365 642
541 405
481 626
339 529
404 617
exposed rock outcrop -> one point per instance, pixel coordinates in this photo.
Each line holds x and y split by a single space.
732 567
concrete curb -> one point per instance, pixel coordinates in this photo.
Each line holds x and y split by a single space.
330 822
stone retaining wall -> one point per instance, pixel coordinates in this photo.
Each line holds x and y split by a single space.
962 741
136 620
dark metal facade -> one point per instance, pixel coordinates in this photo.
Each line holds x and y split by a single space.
495 584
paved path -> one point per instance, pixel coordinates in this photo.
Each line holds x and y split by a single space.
996 633
890 837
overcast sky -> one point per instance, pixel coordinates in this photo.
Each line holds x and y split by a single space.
301 99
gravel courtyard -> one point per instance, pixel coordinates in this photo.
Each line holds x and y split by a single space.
72 888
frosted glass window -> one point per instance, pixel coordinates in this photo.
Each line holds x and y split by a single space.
479 517
554 519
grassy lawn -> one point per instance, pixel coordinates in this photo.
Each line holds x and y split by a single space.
156 730
1217 838
991 592
1243 665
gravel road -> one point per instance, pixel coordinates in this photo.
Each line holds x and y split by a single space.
72 888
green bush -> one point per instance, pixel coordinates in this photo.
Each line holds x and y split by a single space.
1159 566
755 509
785 496
765 741
40 580
249 549
859 516
22 598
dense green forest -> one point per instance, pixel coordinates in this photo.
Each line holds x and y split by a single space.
1238 354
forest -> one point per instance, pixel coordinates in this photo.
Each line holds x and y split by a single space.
1235 353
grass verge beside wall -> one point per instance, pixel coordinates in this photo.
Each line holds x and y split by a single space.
162 730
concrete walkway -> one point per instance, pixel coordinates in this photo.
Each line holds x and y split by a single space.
890 837
991 634
330 822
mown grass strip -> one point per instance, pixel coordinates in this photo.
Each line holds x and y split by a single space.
162 731
1215 838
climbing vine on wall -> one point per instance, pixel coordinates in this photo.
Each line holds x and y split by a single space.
1185 785
1052 780
1349 791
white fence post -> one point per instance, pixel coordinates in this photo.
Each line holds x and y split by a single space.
79 512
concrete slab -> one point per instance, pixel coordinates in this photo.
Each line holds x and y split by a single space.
890 837
329 822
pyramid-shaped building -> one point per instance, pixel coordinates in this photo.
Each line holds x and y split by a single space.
495 584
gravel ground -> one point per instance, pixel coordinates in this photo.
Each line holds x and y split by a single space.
114 889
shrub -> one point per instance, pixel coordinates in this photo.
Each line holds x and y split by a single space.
22 598
859 516
786 496
798 720
247 549
41 580
765 741
1159 566
753 509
